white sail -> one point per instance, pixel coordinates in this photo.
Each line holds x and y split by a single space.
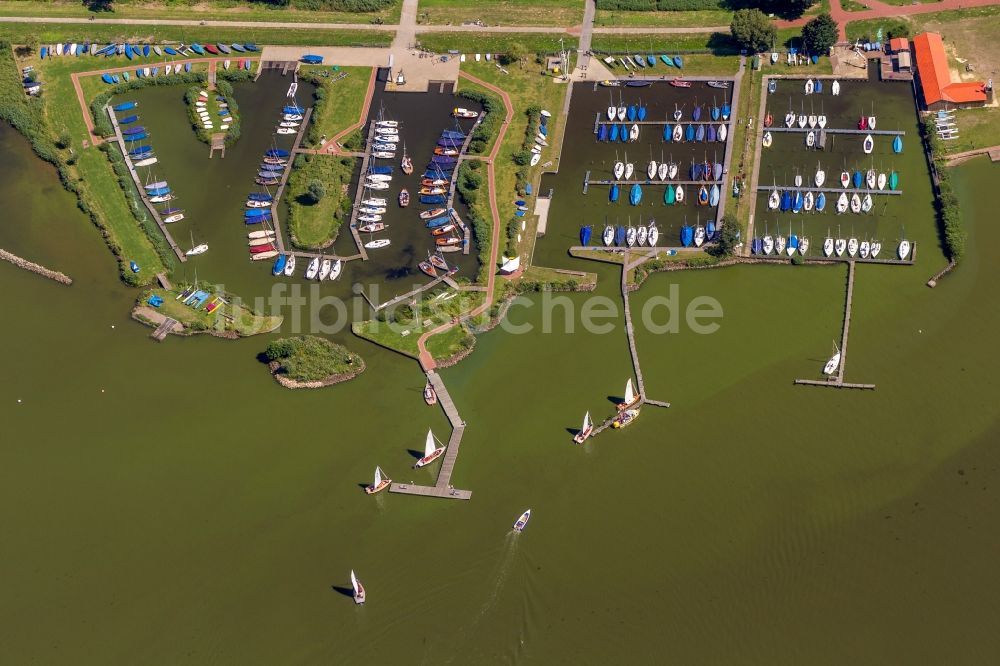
629 393
354 582
587 423
378 477
430 445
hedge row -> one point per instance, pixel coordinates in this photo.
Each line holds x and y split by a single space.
662 5
522 158
339 5
468 185
487 130
949 210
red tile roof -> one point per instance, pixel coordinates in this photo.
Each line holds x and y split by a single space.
897 44
935 78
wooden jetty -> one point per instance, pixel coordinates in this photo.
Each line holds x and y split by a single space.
837 381
408 295
846 259
442 487
461 156
218 143
466 230
163 329
140 187
275 220
830 130
828 190
691 183
661 123
360 194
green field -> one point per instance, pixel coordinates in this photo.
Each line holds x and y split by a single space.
315 225
501 12
342 100
19 33
719 43
207 11
470 42
708 18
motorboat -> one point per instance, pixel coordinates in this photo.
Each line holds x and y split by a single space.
625 418
459 112
378 243
835 88
522 521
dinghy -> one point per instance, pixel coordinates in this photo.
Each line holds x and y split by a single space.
359 590
380 483
585 432
431 451
631 397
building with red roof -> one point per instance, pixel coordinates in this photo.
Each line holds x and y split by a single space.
934 77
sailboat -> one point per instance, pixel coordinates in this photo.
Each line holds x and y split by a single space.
585 431
380 483
631 398
834 363
904 249
431 450
828 245
196 249
359 589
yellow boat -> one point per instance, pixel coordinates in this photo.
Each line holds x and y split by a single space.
625 418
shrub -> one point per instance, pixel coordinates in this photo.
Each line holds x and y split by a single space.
316 190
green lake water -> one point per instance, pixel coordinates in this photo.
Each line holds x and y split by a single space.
169 503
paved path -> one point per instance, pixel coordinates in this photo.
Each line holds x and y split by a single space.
407 29
426 359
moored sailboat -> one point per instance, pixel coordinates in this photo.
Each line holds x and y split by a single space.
379 484
585 431
431 450
631 397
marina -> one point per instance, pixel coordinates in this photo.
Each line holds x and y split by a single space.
867 475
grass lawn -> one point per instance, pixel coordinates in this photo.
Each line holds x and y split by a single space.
232 316
501 12
852 6
402 327
342 102
743 148
96 179
471 42
222 11
718 43
315 225
977 128
70 32
708 18
526 87
308 358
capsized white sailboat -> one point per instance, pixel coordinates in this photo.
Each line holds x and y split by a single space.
380 483
585 431
630 397
359 589
431 450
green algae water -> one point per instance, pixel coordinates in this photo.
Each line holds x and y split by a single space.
169 503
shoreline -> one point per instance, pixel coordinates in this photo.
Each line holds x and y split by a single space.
289 383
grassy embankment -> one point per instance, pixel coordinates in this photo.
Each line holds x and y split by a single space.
221 10
50 33
228 319
969 36
314 224
501 12
86 172
337 103
680 14
526 88
495 42
308 358
399 328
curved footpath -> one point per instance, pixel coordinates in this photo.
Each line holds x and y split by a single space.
425 357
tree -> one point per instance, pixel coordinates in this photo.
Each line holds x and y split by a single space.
753 30
820 34
31 42
729 234
515 52
316 190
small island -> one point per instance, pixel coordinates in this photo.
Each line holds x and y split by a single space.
308 361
